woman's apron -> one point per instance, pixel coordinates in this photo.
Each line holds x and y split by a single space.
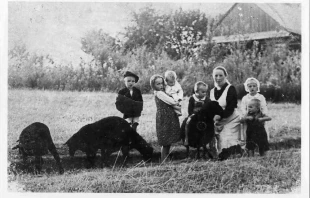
228 130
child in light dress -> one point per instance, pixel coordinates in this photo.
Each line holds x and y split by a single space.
174 89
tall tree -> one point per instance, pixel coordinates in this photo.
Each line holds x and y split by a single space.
100 45
148 30
188 27
177 33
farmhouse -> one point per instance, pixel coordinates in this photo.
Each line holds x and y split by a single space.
257 23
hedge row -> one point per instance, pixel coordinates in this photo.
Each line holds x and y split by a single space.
278 71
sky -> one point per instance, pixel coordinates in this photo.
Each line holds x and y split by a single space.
56 28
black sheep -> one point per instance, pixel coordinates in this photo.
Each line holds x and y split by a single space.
35 140
109 134
201 128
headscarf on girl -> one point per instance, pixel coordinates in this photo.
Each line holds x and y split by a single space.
249 80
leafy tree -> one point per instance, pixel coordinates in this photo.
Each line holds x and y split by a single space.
99 44
177 33
149 30
187 28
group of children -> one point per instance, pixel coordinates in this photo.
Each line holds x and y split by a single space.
253 107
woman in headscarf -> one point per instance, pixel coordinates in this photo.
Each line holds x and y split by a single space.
167 122
227 126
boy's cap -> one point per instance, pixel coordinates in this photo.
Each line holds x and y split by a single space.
128 73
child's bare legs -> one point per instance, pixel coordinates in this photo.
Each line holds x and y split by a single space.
262 152
186 130
214 146
134 122
164 153
250 153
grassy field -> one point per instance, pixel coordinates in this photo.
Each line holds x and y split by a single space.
66 112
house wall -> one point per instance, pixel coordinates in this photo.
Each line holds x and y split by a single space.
246 18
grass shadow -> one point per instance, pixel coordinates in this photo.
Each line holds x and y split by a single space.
283 144
78 162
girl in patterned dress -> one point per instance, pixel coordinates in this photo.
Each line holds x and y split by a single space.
167 122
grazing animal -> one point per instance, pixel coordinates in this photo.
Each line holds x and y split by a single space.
109 134
35 140
201 128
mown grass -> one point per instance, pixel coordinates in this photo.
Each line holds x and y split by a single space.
276 173
66 112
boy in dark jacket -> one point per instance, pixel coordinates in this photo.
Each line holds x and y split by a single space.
129 100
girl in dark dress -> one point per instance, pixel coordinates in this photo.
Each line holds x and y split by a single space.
256 135
167 122
195 103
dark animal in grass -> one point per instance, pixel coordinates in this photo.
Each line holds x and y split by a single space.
227 152
109 134
35 140
201 128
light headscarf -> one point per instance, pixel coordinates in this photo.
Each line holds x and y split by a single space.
152 80
199 83
249 81
168 73
225 73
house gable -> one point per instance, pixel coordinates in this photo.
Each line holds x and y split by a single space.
246 18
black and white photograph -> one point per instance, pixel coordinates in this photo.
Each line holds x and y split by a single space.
201 97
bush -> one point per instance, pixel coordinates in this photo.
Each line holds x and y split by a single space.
284 93
278 71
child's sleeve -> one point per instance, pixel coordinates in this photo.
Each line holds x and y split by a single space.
122 92
263 103
168 90
139 96
207 100
191 104
175 96
165 98
243 106
120 100
139 106
118 103
180 92
264 116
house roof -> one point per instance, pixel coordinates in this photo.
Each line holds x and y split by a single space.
251 36
288 15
